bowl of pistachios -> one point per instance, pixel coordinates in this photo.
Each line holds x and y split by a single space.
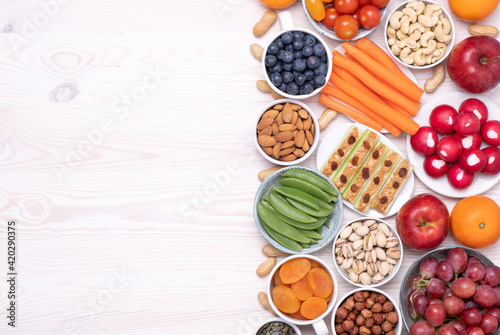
367 252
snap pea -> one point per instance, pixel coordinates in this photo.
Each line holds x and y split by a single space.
317 213
311 234
319 230
288 210
296 224
283 240
313 241
305 245
298 195
279 226
311 178
306 187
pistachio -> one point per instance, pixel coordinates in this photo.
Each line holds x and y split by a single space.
358 267
340 259
367 243
344 234
347 263
365 279
377 278
391 267
384 268
340 242
354 277
393 253
357 245
338 251
390 260
371 256
356 225
371 269
381 239
354 237
347 250
392 242
371 224
359 254
378 262
362 231
380 253
383 228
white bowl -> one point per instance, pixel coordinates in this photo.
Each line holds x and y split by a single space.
449 46
316 132
297 330
399 326
387 278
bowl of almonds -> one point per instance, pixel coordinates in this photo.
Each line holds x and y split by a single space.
367 252
287 132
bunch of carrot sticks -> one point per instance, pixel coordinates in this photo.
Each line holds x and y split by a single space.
367 79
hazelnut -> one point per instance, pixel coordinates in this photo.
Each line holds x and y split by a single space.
373 295
369 322
392 317
359 305
351 316
349 304
348 325
355 311
342 313
392 332
377 307
355 330
358 296
387 307
366 295
366 313
376 330
338 320
339 329
369 303
386 326
344 333
360 320
363 330
381 298
379 318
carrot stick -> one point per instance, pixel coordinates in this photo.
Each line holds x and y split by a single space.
402 84
355 115
378 54
376 85
398 108
404 123
342 96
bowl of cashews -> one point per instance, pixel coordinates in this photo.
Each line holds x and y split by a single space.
419 34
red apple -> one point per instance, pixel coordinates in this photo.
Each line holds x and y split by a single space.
423 222
424 141
466 123
490 132
472 160
448 149
474 64
469 141
492 160
442 118
475 106
458 177
435 166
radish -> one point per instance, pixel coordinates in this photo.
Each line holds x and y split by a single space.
475 106
470 141
466 123
449 149
442 118
435 166
472 160
490 132
459 178
424 141
492 160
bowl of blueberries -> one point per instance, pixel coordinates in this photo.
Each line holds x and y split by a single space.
297 62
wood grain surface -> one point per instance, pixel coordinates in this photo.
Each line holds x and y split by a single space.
127 162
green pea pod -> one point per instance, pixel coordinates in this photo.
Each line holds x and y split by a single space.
298 195
311 178
313 241
280 226
311 234
334 199
319 230
291 222
327 224
288 210
283 240
306 187
304 245
319 213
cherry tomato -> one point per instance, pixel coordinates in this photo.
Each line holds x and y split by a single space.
346 27
327 1
363 3
346 6
369 16
330 18
356 16
316 9
379 3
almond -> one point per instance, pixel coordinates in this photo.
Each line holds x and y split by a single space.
266 141
309 137
307 123
264 122
287 144
278 107
299 125
312 129
277 150
295 117
299 152
265 22
279 118
257 51
300 139
266 267
272 113
284 136
303 114
266 131
287 151
263 86
287 127
295 107
289 158
268 150
287 113
306 146
275 128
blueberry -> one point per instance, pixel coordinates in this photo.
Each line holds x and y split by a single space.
307 51
312 62
292 89
289 47
277 68
321 70
299 65
287 66
319 81
297 55
287 38
280 55
309 74
273 49
271 60
276 79
308 88
297 45
324 58
283 87
287 77
301 90
298 35
295 73
279 44
309 40
319 50
300 79
288 57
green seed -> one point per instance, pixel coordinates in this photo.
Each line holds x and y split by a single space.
298 195
306 187
311 178
288 210
280 226
294 223
324 211
283 240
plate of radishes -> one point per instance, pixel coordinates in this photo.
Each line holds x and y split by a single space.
455 152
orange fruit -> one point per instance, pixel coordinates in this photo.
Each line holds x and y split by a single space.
475 222
277 4
473 10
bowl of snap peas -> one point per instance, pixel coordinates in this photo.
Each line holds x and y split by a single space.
298 210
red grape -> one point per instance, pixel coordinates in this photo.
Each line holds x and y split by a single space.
444 271
495 311
475 271
458 324
411 311
414 293
453 305
458 259
497 293
492 275
420 304
421 328
428 268
447 293
463 287
488 324
436 288
471 317
473 331
485 296
415 281
473 259
433 300
435 314
447 329
470 303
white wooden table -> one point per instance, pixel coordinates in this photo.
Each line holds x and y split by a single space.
128 165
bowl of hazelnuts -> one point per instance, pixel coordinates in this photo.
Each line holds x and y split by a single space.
366 312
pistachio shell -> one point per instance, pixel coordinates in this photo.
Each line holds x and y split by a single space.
347 263
338 251
357 245
367 243
365 279
354 277
377 278
381 239
359 254
393 253
371 269
358 267
385 229
392 242
369 223
380 253
356 225
362 231
354 237
391 267
340 242
347 250
384 268
391 261
344 234
371 256
339 259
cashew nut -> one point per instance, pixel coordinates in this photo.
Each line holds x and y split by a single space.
408 42
446 25
430 49
425 38
405 25
391 41
428 22
407 56
419 57
441 45
417 6
395 19
416 35
433 10
411 14
400 35
416 27
396 50
391 32
440 36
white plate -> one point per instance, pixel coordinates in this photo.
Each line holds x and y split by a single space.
405 70
482 182
331 141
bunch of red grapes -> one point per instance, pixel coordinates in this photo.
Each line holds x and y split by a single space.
456 296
